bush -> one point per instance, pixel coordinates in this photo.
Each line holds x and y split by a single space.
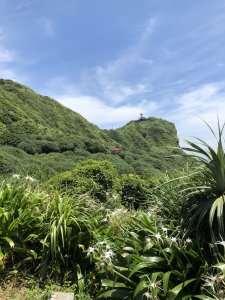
133 190
6 164
93 177
73 184
94 146
103 173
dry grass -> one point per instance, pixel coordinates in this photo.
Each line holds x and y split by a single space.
12 290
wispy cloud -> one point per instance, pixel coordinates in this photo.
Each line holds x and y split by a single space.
173 82
7 73
186 110
48 26
23 5
103 114
117 81
6 55
146 30
205 102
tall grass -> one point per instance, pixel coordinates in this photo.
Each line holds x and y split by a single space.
19 226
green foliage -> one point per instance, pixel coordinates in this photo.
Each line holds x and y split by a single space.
18 223
47 232
69 223
133 190
65 237
169 196
154 262
5 164
93 177
103 174
39 125
71 183
209 203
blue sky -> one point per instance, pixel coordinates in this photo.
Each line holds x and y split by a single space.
112 60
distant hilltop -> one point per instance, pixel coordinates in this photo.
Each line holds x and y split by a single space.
39 125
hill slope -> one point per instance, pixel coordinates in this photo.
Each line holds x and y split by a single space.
39 135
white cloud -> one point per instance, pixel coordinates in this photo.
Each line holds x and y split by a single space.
112 79
47 26
7 74
147 30
6 55
185 110
13 74
205 102
103 114
23 5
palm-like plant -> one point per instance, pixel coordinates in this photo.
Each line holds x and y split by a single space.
209 207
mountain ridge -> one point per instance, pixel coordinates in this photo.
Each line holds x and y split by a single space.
39 125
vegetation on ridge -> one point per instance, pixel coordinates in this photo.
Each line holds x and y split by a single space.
46 133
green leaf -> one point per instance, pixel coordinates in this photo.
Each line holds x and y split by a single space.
172 294
217 206
8 240
120 293
141 287
147 264
112 283
166 278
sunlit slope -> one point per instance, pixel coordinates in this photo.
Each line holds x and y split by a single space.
37 134
39 124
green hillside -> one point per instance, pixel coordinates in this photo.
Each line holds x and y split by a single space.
39 136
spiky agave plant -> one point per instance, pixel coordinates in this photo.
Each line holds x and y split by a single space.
208 208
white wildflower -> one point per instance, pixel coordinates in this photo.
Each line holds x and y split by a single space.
149 243
16 176
164 229
173 239
30 178
101 243
147 295
158 236
153 285
221 243
108 254
118 212
148 240
188 241
90 250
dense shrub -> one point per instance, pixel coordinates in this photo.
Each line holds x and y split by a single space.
28 146
133 190
103 173
94 177
94 146
6 164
